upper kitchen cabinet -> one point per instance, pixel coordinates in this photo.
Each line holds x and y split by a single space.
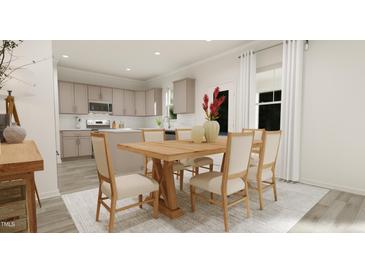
107 94
94 93
154 102
66 97
129 103
118 102
81 99
72 98
184 96
100 93
140 103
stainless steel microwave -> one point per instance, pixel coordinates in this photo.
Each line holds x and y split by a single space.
100 107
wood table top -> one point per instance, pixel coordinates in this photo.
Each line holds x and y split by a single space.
174 150
20 158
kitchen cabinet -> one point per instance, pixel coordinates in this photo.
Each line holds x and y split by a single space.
129 103
154 102
73 98
100 94
118 102
106 94
84 146
184 96
69 147
66 97
76 143
140 103
94 93
81 99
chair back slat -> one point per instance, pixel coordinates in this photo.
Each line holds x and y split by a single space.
238 152
258 134
183 134
271 141
153 135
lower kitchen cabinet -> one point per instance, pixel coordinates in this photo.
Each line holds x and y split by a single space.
75 143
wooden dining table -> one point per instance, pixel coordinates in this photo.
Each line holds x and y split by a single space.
20 161
164 154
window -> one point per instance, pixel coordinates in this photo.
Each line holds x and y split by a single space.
223 113
170 104
268 103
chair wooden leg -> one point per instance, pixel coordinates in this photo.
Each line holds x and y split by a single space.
140 199
156 199
196 170
112 214
211 197
261 198
211 167
145 166
98 205
225 211
247 202
192 198
36 193
274 188
181 180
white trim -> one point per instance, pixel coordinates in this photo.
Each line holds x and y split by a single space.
318 183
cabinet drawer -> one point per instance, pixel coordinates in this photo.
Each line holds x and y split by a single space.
76 133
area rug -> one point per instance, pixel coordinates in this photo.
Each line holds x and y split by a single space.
294 201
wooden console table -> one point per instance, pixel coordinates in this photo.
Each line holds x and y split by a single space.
20 161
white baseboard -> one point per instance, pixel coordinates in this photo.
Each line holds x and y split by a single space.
50 194
353 190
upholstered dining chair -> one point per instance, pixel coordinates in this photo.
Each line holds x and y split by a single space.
262 175
233 178
184 134
158 135
115 188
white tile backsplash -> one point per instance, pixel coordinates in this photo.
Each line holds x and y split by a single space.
68 121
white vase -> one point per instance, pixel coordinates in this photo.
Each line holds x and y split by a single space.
211 131
14 134
197 134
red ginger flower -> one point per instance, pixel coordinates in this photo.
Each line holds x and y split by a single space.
213 107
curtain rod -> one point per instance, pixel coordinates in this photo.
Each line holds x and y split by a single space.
273 46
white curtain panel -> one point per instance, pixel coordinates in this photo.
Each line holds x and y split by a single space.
291 110
246 93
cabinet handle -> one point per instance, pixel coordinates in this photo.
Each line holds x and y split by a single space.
101 96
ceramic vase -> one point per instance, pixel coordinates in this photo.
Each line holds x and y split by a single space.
14 134
197 134
211 131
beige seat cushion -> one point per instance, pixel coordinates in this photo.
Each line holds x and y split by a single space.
212 182
131 185
176 166
197 162
252 172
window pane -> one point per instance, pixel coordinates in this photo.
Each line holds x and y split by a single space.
277 95
223 113
266 97
269 116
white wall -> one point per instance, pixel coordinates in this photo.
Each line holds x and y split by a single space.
222 71
36 112
333 115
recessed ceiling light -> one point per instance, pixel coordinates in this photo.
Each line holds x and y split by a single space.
157 53
128 69
208 40
65 56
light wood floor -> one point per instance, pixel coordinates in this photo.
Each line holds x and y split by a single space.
336 212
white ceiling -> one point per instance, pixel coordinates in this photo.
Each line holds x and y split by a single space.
113 57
